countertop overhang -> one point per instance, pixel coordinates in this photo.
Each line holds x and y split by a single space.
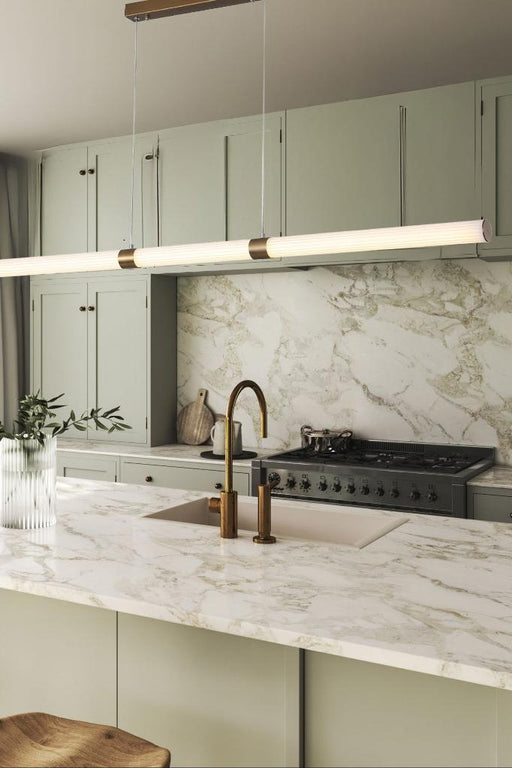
433 596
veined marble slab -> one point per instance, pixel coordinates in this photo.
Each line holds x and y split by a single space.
434 595
173 452
416 351
496 477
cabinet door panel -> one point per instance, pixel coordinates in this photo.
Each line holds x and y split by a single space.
191 185
60 344
57 657
64 202
343 167
211 698
117 344
497 165
243 178
186 478
492 507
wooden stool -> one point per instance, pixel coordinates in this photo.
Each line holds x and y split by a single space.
36 740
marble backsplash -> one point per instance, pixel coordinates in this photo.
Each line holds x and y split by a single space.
411 351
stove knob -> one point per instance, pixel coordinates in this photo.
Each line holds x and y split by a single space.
351 488
291 482
305 484
394 492
336 486
379 491
432 496
322 485
414 495
364 489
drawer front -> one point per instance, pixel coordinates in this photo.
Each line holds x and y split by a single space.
494 508
185 478
87 467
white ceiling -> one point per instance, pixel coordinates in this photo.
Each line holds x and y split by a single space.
66 65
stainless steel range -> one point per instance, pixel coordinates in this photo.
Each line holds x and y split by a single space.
419 477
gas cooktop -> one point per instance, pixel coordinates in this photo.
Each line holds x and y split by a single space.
416 477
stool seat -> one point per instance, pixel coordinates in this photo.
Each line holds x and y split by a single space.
38 740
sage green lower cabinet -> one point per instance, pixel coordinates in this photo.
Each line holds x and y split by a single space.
491 504
57 657
360 714
212 699
87 466
187 478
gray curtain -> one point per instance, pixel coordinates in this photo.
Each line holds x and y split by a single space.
14 291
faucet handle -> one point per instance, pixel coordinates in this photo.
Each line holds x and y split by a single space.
264 517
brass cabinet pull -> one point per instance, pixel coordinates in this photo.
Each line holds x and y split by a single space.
91 309
91 171
82 308
149 157
82 172
218 486
149 479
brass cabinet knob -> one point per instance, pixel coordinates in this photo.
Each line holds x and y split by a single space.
91 171
82 172
218 486
90 308
149 157
149 479
82 308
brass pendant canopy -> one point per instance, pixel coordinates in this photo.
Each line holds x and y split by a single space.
157 9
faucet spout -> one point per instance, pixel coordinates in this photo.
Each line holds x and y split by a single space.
228 503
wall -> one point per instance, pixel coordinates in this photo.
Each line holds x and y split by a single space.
412 351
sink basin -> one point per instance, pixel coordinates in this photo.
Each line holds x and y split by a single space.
338 525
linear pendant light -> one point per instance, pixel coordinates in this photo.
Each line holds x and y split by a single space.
239 251
266 248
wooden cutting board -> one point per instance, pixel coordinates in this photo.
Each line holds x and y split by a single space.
195 421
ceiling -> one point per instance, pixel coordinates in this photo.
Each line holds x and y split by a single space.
66 65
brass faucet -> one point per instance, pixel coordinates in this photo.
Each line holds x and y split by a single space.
228 503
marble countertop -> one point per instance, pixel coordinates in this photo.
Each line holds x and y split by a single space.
434 595
172 452
496 477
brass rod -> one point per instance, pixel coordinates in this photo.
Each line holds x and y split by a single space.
143 10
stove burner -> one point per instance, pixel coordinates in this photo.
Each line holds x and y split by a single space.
360 455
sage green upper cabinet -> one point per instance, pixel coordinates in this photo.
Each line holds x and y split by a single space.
108 341
243 150
59 342
86 196
64 201
191 195
438 134
210 180
342 169
496 104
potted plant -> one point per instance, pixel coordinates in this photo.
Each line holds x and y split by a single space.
28 458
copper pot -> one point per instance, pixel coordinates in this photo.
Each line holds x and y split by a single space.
324 440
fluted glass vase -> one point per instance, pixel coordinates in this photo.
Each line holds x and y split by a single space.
28 473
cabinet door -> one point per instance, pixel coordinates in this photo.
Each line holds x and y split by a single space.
57 657
493 507
439 181
109 194
343 166
64 201
59 341
213 699
118 349
191 185
497 166
243 148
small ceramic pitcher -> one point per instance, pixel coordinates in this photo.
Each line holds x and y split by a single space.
218 435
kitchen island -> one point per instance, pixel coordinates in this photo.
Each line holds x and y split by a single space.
159 626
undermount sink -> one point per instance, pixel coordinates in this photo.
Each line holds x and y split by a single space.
338 525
